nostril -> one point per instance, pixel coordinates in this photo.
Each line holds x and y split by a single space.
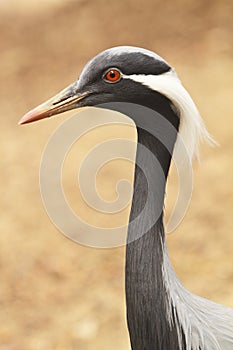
61 100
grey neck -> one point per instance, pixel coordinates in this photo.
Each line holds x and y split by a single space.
148 324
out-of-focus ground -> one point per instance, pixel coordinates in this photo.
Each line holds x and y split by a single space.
55 294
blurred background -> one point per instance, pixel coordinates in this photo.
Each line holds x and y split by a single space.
56 294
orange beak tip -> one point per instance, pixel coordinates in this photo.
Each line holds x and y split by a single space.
33 115
62 102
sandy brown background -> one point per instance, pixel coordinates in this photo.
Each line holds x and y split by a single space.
58 295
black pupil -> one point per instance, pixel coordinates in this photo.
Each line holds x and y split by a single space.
112 74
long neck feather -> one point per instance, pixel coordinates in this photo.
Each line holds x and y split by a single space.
161 313
148 324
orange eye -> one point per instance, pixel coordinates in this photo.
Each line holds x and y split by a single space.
112 75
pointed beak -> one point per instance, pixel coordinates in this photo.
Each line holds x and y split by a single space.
64 101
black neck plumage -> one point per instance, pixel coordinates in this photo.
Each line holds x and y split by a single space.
148 325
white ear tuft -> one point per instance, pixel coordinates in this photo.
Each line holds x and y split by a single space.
192 129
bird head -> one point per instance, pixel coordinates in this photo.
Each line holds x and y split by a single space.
128 74
108 77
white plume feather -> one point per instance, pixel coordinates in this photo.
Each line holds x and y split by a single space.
192 128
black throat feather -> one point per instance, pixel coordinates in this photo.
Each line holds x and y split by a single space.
146 298
148 324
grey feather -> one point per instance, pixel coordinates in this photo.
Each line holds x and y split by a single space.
206 325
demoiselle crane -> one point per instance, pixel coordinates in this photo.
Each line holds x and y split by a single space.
161 313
